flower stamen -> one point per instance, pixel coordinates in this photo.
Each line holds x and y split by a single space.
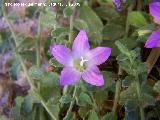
82 61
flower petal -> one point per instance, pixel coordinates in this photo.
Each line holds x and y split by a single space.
81 44
93 76
154 40
69 76
155 10
98 55
62 54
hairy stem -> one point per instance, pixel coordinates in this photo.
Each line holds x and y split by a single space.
118 88
71 29
94 102
138 88
72 102
38 41
47 109
65 89
116 97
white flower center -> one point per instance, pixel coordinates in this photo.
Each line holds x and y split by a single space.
80 64
82 61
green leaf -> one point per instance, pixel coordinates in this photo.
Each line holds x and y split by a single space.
65 99
131 111
81 24
29 100
42 114
147 99
83 111
68 11
127 81
69 116
35 72
96 37
55 63
157 87
15 69
106 12
121 57
61 31
93 115
110 116
126 66
100 96
142 68
50 79
48 19
94 23
135 54
84 98
26 43
110 78
123 48
130 42
120 20
137 19
89 16
55 110
49 85
16 112
130 94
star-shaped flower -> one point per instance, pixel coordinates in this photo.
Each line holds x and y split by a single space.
80 61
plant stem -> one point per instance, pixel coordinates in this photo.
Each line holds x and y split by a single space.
38 41
71 30
118 88
65 89
94 102
47 109
72 102
116 98
138 88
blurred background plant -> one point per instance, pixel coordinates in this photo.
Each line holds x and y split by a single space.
29 75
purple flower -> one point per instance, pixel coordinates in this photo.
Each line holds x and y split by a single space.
154 40
155 11
81 61
118 4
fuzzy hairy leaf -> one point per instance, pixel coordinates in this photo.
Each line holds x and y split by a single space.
84 98
93 116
